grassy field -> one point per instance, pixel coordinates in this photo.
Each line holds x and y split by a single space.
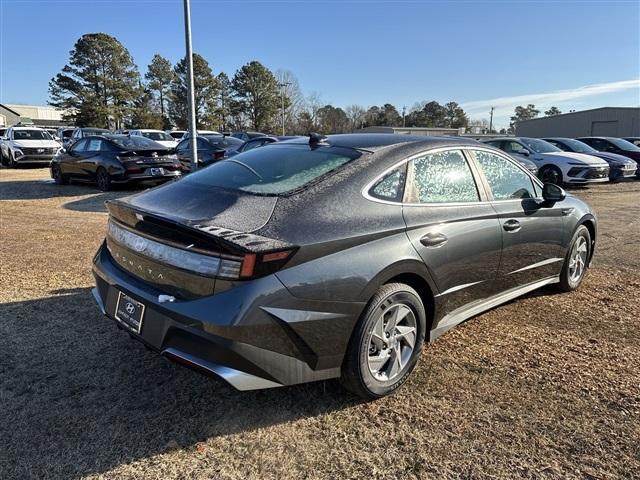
547 386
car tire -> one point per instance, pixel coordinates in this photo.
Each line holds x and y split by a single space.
59 177
550 174
103 179
383 349
576 260
12 161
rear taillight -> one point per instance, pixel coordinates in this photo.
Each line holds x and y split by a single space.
261 264
134 169
218 155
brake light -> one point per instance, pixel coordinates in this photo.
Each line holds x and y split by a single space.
254 265
218 155
134 169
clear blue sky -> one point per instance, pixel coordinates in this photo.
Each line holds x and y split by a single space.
476 53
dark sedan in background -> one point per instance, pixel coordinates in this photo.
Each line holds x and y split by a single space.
333 257
211 149
615 145
620 167
115 159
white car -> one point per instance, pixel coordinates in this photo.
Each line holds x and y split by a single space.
27 145
554 165
163 138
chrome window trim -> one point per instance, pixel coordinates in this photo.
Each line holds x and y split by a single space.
369 186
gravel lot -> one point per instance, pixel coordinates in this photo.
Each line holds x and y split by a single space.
547 386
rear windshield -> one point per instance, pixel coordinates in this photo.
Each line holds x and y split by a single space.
135 143
273 170
228 143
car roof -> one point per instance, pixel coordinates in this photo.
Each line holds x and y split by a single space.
24 127
146 130
378 141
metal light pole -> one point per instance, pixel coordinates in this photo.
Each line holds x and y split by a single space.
190 94
491 121
282 85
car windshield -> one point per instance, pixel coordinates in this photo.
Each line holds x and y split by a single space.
135 143
158 136
31 135
275 170
228 143
624 145
578 146
539 146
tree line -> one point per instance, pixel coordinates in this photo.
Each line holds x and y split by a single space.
101 86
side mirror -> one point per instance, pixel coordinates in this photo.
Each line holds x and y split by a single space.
553 193
523 151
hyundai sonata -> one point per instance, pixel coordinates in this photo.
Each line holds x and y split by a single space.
333 257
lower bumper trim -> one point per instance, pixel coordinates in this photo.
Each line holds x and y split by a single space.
239 380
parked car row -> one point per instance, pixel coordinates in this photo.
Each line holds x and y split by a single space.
574 161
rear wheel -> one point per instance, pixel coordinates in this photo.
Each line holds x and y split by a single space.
386 343
550 174
58 176
103 179
576 261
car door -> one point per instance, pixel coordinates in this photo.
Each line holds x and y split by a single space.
90 158
453 228
532 231
183 152
69 162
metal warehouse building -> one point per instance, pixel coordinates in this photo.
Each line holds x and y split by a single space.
605 122
45 116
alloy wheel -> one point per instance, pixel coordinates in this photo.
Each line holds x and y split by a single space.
392 342
578 259
103 180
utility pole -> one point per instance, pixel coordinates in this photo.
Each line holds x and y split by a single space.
282 87
491 120
190 93
404 123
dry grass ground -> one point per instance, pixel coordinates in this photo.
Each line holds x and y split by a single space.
547 386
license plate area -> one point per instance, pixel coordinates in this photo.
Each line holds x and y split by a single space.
156 172
129 312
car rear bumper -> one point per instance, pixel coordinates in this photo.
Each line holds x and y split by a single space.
145 177
256 335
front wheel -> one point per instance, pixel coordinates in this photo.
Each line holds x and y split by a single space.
550 174
12 161
58 176
386 343
103 179
576 261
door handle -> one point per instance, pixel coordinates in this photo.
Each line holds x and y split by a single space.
434 239
511 225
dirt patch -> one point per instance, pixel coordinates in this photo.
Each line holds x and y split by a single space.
547 386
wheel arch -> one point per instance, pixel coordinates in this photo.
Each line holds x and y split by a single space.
589 221
412 273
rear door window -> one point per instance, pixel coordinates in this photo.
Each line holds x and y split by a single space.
506 180
442 177
275 170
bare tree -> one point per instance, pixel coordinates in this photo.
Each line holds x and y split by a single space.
293 97
355 114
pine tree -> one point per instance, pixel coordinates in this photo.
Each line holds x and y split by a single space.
159 76
98 85
206 91
256 91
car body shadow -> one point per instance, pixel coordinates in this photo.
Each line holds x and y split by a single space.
80 397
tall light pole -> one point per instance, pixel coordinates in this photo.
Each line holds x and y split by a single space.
282 86
491 121
190 94
404 110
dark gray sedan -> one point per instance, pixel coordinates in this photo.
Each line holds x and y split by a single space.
334 257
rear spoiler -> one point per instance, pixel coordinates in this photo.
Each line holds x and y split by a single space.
201 234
